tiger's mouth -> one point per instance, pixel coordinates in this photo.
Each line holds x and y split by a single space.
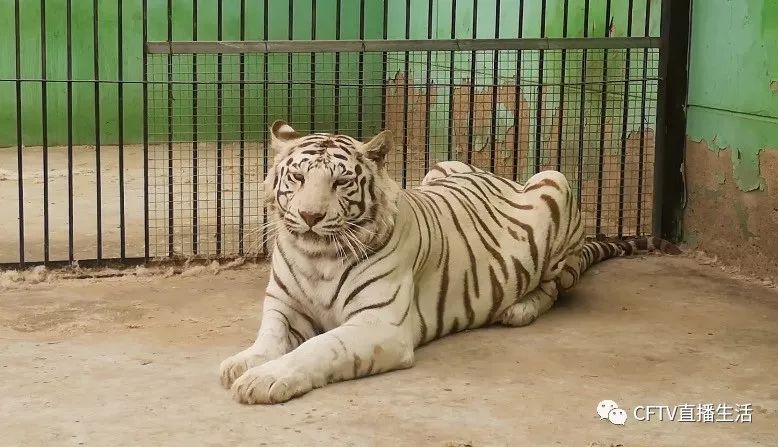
311 236
321 236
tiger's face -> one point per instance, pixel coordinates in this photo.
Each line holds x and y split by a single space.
329 191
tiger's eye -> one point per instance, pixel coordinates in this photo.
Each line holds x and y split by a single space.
298 177
342 182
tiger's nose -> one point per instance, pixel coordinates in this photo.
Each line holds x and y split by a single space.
311 218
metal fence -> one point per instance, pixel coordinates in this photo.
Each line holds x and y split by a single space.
591 107
585 107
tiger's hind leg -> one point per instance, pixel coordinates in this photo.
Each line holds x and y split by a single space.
570 273
531 306
540 300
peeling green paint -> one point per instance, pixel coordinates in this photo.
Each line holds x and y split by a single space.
732 105
745 136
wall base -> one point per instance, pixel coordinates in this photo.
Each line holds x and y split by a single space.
741 228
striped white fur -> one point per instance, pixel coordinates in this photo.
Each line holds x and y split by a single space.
364 272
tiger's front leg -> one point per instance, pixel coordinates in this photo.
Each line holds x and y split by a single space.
281 330
362 346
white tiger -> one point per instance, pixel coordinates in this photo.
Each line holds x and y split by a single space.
363 272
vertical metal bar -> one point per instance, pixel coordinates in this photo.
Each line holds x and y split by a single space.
624 118
361 71
312 117
289 62
195 143
642 149
337 68
452 60
428 89
242 155
19 144
539 105
517 100
385 30
219 136
603 113
146 248
170 201
98 174
45 135
669 188
582 108
471 102
560 117
406 69
120 104
69 56
495 85
266 142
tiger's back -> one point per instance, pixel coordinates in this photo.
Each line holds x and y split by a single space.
484 242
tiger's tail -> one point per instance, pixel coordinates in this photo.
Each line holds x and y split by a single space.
595 251
599 250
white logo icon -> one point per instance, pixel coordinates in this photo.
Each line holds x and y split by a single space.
605 407
617 416
608 409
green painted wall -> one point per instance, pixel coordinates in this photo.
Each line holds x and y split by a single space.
509 18
82 38
83 50
733 86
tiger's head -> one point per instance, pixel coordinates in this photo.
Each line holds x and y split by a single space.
331 194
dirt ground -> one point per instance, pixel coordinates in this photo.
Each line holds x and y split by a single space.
84 184
133 361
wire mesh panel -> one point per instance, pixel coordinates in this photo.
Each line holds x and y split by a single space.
205 156
585 107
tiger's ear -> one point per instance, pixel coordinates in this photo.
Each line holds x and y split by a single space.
377 148
280 134
268 186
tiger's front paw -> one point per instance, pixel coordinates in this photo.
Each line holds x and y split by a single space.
271 383
233 367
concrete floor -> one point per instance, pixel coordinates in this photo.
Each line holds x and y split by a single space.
133 361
